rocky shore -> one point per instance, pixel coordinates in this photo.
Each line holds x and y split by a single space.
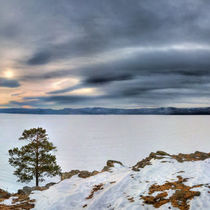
21 199
161 180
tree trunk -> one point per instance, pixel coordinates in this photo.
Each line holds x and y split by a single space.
37 180
37 163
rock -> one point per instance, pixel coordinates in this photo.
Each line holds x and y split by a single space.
106 168
25 191
68 175
94 173
110 163
20 192
50 184
39 188
196 156
161 153
81 174
142 163
84 174
4 194
135 169
152 155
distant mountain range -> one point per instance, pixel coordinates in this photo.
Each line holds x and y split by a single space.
111 111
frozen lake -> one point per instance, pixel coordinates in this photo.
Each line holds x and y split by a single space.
88 141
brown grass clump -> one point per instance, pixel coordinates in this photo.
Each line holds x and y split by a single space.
22 206
196 156
4 194
113 182
131 199
157 200
179 199
23 201
95 189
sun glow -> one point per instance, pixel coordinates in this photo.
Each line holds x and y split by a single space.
9 74
85 91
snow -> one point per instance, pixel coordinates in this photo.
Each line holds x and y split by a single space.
9 201
124 183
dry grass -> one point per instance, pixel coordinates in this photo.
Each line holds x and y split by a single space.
179 199
95 189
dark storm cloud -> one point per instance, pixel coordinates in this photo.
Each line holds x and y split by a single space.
104 79
9 83
193 62
40 58
143 72
143 78
101 26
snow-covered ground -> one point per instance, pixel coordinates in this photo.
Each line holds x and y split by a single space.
122 188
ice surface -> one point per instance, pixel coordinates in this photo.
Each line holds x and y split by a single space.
87 142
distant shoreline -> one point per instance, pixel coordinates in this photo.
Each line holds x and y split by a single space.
110 111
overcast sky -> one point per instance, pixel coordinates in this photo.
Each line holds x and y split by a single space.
110 53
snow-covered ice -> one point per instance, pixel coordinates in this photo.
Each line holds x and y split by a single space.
85 142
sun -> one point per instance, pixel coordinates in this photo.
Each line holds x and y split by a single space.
9 74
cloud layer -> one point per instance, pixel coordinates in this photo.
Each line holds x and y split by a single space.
8 83
105 53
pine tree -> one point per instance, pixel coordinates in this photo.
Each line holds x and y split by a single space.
35 159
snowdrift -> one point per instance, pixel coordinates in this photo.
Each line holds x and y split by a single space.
163 181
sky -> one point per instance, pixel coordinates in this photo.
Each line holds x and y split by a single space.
107 53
